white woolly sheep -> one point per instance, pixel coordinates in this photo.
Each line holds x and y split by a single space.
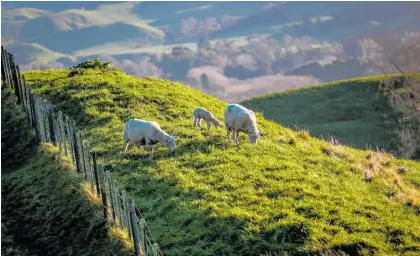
140 132
203 114
239 118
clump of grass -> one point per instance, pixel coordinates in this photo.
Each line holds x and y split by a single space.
214 198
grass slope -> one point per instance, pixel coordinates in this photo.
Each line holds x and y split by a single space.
45 210
351 110
290 193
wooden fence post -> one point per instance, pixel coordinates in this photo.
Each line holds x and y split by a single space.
62 131
53 125
75 145
19 81
11 68
134 228
51 129
108 178
36 116
155 249
28 99
71 137
7 70
25 96
46 115
32 106
117 203
126 212
14 77
82 152
39 117
57 129
88 166
70 142
95 169
143 238
43 119
3 69
103 192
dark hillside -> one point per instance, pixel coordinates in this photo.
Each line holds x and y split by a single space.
357 112
45 209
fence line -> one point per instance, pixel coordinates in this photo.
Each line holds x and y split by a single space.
54 127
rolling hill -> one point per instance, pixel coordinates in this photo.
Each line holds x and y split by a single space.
356 112
290 193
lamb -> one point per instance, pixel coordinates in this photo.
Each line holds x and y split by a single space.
239 118
140 132
203 114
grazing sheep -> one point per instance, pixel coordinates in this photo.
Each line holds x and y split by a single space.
239 118
140 132
203 114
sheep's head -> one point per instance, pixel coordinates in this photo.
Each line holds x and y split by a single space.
254 136
170 141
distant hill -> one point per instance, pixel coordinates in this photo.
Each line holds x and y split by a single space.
356 112
337 70
291 193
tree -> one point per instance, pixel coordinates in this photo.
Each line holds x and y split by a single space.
400 53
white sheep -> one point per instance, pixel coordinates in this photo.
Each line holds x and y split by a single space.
239 118
140 132
203 114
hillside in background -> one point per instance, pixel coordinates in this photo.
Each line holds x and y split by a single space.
244 49
290 193
357 112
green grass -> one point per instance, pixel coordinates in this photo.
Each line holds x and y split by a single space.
290 193
46 209
351 110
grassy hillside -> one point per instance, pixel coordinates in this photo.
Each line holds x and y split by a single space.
351 110
290 193
355 111
46 212
45 208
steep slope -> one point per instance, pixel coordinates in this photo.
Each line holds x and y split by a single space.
45 209
354 111
290 193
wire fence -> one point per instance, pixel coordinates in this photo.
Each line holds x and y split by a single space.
54 127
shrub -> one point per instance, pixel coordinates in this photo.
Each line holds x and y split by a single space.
93 64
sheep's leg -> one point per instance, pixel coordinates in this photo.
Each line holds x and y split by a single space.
199 121
228 133
237 137
151 150
195 120
150 146
126 144
208 124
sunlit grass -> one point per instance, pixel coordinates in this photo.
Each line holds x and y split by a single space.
290 193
